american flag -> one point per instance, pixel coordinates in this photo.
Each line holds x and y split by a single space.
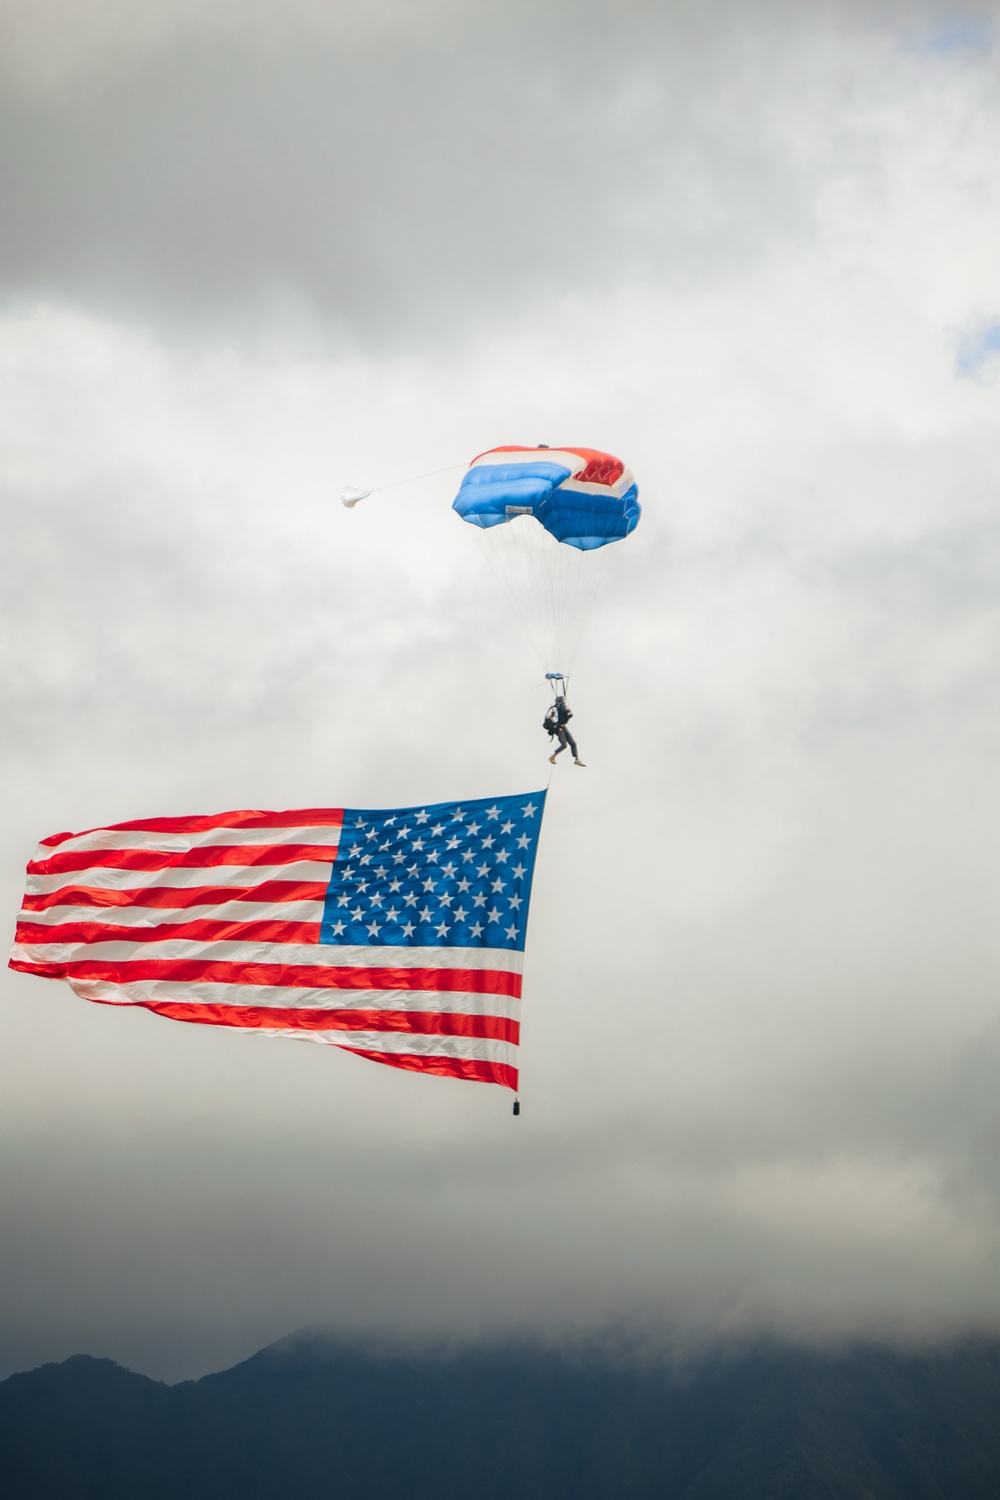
397 934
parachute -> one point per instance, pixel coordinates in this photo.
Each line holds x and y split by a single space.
543 515
581 496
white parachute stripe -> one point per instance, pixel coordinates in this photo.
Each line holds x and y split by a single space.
623 483
572 461
470 1048
178 877
325 955
151 991
176 843
156 916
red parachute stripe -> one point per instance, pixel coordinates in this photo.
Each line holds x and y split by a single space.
602 468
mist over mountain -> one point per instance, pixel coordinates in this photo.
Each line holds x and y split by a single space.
316 1417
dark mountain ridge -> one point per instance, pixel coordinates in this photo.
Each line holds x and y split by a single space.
312 1418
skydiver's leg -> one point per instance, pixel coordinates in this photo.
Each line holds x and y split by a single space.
562 744
572 745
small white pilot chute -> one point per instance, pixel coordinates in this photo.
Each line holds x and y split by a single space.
350 495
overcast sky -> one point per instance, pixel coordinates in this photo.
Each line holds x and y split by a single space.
754 249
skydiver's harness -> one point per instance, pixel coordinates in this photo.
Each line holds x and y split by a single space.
557 718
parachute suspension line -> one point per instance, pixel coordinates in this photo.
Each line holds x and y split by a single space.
499 563
351 494
549 585
415 478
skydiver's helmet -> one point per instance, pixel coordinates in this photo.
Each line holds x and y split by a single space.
560 700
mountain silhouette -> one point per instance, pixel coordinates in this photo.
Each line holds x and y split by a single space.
317 1419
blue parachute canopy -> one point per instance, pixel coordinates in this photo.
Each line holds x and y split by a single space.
581 496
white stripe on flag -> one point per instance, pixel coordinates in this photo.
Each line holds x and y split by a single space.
156 916
178 843
162 991
327 955
404 1043
109 878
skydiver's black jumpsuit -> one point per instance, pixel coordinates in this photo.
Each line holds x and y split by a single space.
559 716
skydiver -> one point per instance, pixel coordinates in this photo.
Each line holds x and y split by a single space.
555 722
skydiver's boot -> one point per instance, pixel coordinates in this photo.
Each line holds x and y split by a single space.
552 760
580 763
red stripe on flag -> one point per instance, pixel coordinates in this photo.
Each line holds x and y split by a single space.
288 976
415 1022
299 817
203 855
446 1067
206 931
177 897
42 970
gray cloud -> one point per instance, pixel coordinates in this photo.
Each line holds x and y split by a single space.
411 184
761 1027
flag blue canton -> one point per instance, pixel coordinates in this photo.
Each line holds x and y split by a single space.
454 874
